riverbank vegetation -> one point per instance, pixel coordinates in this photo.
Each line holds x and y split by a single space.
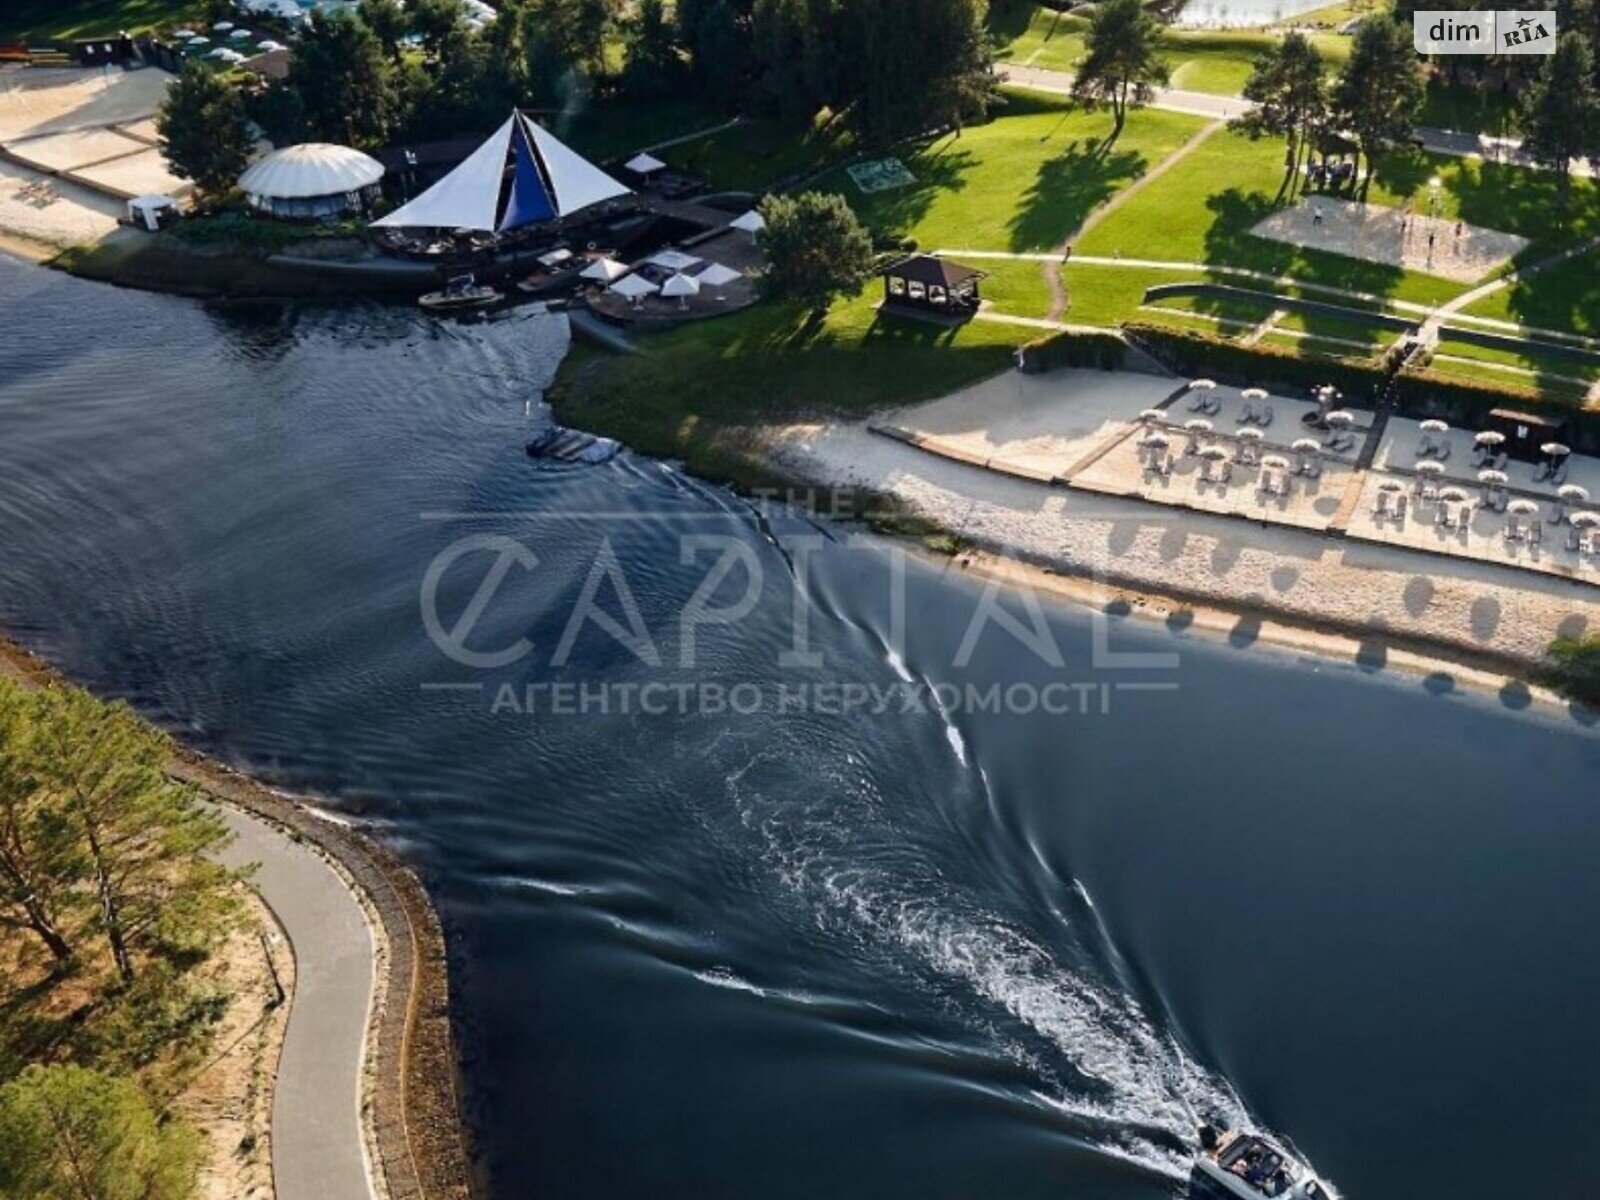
110 907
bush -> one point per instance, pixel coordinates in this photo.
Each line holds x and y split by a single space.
1575 672
1102 351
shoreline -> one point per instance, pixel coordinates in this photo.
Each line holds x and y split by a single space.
416 1120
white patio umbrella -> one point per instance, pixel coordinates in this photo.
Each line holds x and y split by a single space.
1251 435
1432 467
605 270
1391 485
674 260
1555 449
1434 425
1305 446
1155 441
1198 425
751 222
645 163
1214 452
224 54
1151 416
1523 508
222 27
1586 519
1493 478
1455 495
197 40
634 288
680 288
1573 493
1342 418
1202 385
717 275
1489 437
241 34
184 34
1274 462
269 46
1254 393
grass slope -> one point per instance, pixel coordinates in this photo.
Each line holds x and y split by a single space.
42 20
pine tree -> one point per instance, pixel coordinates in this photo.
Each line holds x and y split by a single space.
1291 99
70 1133
39 860
816 248
1123 66
1561 112
204 133
1381 89
345 82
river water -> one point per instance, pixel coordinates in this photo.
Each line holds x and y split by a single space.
805 949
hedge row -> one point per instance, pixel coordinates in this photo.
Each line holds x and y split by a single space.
1103 351
1421 393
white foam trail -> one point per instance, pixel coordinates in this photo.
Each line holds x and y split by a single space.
898 665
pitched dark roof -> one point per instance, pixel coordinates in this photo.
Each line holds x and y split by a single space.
934 272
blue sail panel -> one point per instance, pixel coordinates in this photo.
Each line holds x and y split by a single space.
530 200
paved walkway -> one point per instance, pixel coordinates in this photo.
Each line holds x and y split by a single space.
317 1142
1229 108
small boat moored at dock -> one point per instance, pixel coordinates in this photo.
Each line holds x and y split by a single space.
572 446
464 291
1249 1167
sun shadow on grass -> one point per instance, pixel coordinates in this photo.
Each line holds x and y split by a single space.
1067 189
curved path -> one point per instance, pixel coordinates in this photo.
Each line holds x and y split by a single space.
317 1143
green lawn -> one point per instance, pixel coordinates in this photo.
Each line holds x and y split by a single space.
1565 297
1203 209
1017 288
1023 182
758 154
696 386
1108 296
30 21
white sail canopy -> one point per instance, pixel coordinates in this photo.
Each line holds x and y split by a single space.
549 180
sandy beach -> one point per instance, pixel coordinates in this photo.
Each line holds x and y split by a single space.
1490 615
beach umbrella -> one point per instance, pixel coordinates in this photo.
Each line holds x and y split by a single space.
1342 419
1434 425
1306 446
269 45
680 288
1155 441
197 40
240 34
717 275
1391 485
1251 435
605 270
222 27
1151 416
1493 477
1214 452
1274 462
1573 493
645 163
1555 449
1488 437
1455 495
1198 425
1523 508
673 260
1586 520
1254 393
751 222
1430 468
184 34
1202 385
634 288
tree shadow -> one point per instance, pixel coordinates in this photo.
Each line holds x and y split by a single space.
1067 189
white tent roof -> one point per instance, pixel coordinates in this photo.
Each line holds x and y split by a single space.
717 275
645 163
152 202
311 169
681 285
751 222
674 260
469 197
634 287
605 269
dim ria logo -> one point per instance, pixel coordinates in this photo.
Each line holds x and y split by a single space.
1492 31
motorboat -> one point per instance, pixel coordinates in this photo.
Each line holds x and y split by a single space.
464 291
1249 1167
